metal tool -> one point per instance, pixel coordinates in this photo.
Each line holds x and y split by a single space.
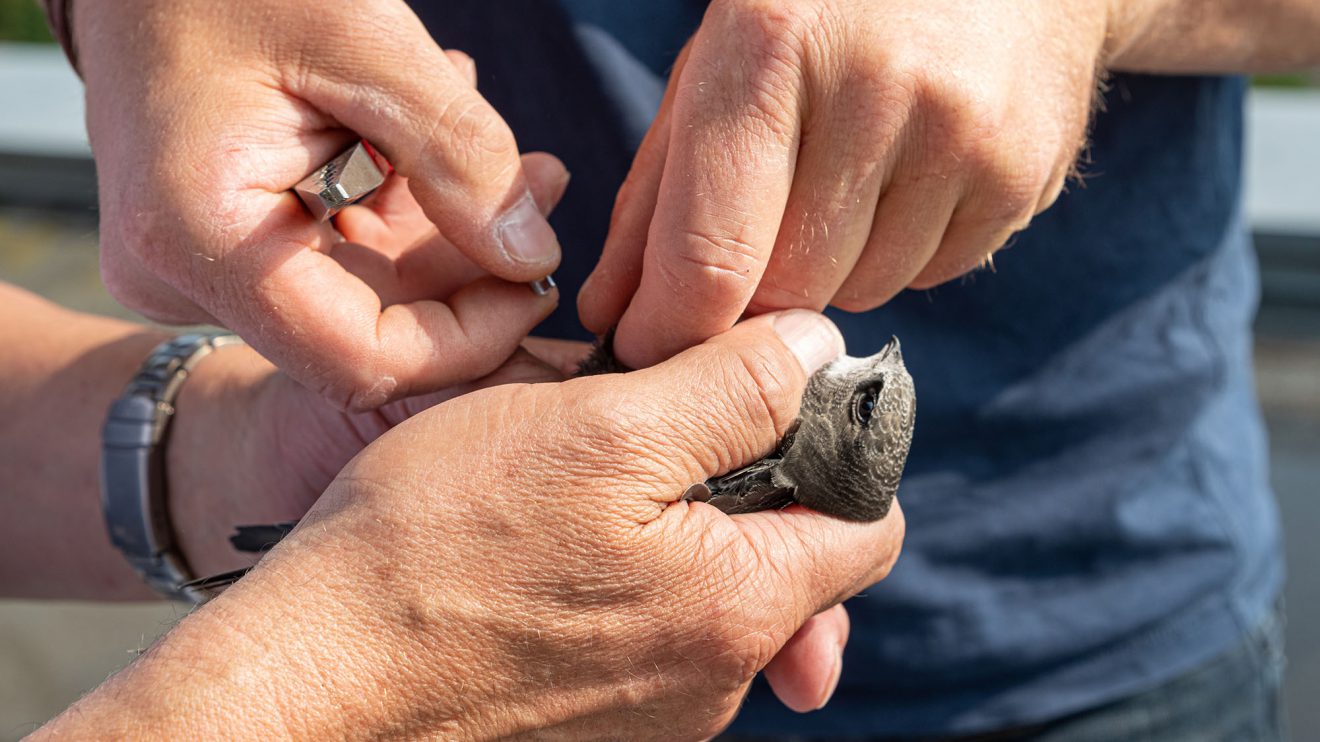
350 177
543 286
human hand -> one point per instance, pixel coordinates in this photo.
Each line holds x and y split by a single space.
517 562
823 152
249 445
202 115
252 446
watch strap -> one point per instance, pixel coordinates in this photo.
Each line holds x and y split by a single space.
134 486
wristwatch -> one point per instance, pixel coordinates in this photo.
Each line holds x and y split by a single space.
134 490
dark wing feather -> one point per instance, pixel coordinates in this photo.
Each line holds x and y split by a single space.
255 539
259 539
215 583
747 490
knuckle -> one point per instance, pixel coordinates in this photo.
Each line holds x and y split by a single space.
122 283
1013 193
711 267
138 236
769 41
968 131
728 250
883 108
1019 195
334 391
772 296
1009 172
889 84
472 141
474 124
351 387
770 106
761 388
771 31
964 124
369 396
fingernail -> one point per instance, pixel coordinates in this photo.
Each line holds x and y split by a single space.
526 235
834 680
812 338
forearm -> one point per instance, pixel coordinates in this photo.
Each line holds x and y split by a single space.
186 686
295 652
1213 36
61 370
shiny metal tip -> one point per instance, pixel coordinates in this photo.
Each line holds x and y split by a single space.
543 286
347 179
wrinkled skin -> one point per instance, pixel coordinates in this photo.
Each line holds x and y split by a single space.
808 152
838 151
533 576
242 99
291 446
296 444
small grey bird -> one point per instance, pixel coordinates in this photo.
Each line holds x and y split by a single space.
844 455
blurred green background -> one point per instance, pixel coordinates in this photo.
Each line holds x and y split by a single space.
22 20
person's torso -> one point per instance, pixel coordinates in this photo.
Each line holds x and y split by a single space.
1086 498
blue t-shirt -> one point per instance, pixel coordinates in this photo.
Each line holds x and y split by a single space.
1087 502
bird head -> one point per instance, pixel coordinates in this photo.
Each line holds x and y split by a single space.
846 455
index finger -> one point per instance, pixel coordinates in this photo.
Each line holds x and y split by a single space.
418 107
732 148
722 405
328 330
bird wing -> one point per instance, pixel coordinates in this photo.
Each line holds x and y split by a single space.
747 490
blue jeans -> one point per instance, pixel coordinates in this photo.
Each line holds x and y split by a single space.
1236 697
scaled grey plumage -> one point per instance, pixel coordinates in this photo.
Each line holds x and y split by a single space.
845 454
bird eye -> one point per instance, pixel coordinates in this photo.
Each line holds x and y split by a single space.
864 407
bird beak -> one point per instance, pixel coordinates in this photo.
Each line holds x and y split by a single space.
892 350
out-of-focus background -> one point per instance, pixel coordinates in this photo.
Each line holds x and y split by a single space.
52 652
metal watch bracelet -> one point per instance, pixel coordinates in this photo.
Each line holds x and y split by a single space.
134 487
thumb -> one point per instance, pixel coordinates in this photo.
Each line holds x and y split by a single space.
460 158
727 402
